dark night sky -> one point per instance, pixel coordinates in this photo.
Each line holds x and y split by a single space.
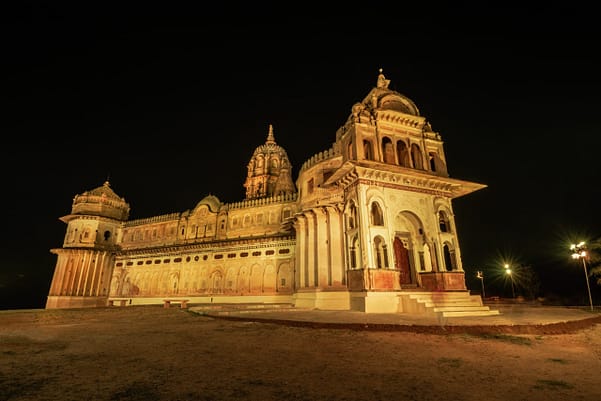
170 103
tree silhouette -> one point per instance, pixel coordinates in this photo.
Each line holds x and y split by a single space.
527 280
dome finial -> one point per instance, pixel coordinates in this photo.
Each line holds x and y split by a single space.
270 137
382 81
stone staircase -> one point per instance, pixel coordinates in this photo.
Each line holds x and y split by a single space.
447 304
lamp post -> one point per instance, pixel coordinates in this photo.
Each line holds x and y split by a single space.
480 275
509 273
579 252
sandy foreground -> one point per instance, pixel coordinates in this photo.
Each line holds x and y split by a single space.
151 353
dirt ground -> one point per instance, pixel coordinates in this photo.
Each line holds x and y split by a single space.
150 353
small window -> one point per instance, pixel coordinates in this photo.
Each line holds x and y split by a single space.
282 251
352 218
205 257
196 258
377 218
157 261
130 263
269 252
188 259
140 262
231 255
443 222
368 153
177 260
149 262
218 256
257 253
381 253
416 157
166 260
119 264
244 254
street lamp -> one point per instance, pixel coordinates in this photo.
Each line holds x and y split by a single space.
480 275
579 252
509 273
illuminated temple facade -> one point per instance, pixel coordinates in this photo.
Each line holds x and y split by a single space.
367 223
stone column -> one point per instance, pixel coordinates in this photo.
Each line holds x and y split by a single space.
336 243
323 268
300 271
311 269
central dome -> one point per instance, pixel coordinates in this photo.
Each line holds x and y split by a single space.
382 99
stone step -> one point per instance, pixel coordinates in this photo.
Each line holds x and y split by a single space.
430 304
237 312
449 296
450 304
461 308
470 313
440 294
241 307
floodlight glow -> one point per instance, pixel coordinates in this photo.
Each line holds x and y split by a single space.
579 252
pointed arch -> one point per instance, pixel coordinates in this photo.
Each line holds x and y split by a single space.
216 282
416 157
437 165
256 278
380 253
173 282
284 278
353 252
243 284
368 151
427 266
269 279
376 214
444 223
351 215
409 231
403 154
449 257
231 280
387 151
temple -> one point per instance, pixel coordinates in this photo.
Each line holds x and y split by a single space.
368 225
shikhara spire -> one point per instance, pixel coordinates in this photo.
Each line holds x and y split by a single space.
269 171
270 137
